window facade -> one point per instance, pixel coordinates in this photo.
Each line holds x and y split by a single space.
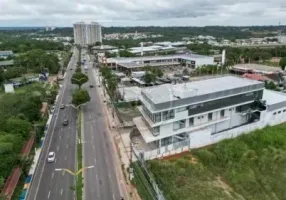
181 109
222 113
168 115
191 121
210 116
179 125
156 130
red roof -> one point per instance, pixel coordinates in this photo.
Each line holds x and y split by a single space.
257 77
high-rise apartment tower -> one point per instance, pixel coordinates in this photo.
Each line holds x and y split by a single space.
87 34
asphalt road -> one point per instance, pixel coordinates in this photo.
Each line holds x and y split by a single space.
48 183
100 182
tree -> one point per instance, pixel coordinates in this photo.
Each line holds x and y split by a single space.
80 96
185 72
112 86
18 126
125 53
79 79
149 77
282 63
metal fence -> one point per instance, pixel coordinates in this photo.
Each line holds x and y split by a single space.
142 174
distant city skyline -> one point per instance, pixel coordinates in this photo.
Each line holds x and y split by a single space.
143 13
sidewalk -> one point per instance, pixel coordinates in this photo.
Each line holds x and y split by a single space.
121 143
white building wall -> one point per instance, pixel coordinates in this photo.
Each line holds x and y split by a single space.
204 61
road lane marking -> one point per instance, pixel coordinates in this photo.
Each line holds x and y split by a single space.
61 129
113 196
69 127
68 136
58 148
49 194
109 175
60 137
53 175
95 161
62 191
93 146
55 160
67 146
65 158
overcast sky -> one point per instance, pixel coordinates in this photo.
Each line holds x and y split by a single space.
142 12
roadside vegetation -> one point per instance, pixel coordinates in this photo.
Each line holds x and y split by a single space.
20 118
252 166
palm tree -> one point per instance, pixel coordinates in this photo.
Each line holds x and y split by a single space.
112 85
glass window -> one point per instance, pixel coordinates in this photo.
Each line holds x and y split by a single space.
156 129
168 115
181 109
157 117
179 125
222 113
191 121
210 116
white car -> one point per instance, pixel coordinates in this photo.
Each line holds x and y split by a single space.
51 157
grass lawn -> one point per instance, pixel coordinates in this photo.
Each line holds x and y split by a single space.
252 166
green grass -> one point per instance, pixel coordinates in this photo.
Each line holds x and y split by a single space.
252 166
79 181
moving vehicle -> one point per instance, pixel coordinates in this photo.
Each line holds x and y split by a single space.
65 122
62 106
51 156
91 86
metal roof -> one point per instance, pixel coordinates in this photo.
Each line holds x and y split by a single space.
147 58
6 62
168 95
6 52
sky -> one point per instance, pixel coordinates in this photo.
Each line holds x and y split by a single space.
143 12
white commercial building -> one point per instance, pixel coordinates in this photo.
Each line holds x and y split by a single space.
138 63
195 114
87 34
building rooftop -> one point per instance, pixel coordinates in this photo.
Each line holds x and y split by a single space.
138 65
257 68
273 97
222 86
143 58
6 63
6 52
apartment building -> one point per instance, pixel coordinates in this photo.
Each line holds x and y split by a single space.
204 112
87 34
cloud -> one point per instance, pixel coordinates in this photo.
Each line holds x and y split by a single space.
142 12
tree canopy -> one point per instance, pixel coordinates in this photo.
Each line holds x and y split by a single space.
79 79
80 96
282 63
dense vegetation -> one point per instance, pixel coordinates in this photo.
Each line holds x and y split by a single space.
252 166
19 118
21 45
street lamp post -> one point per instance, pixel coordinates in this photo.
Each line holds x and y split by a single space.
75 174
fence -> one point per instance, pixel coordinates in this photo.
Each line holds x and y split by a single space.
142 175
169 150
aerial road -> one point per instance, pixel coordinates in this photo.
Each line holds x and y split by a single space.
48 183
101 182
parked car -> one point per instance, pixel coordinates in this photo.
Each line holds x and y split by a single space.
62 106
51 156
91 86
65 122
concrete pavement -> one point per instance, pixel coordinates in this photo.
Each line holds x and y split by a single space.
47 183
